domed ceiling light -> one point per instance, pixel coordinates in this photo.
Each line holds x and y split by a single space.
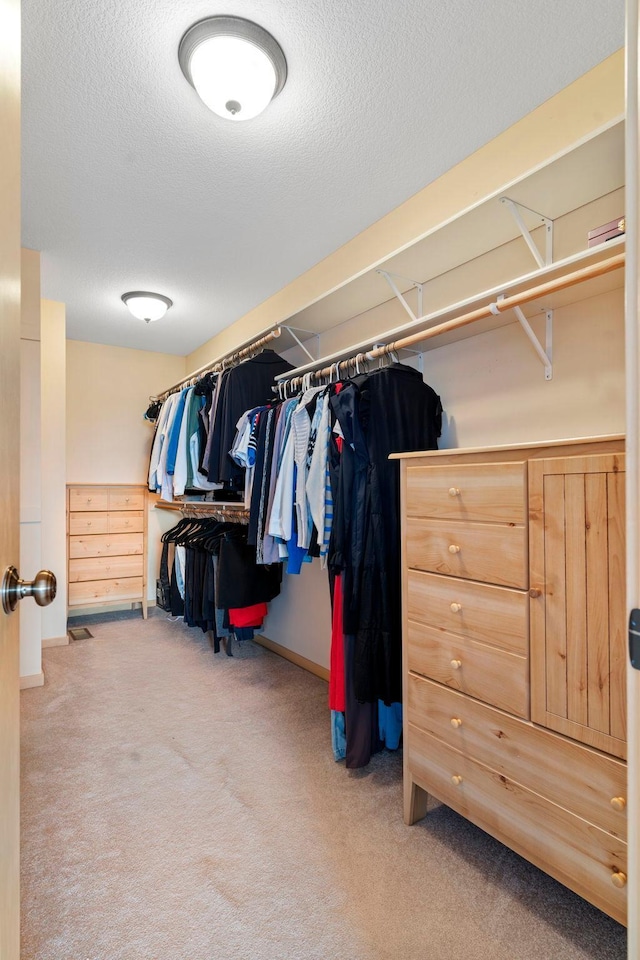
235 66
146 306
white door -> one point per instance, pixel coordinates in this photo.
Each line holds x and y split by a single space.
9 460
633 467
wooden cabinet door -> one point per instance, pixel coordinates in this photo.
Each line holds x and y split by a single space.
577 605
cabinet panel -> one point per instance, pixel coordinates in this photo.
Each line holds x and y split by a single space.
495 615
104 568
576 852
578 620
481 671
80 523
576 777
126 522
123 544
88 498
475 551
126 498
88 592
490 492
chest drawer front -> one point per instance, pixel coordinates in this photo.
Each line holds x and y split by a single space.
88 498
123 544
126 521
581 780
104 568
492 675
495 615
571 849
473 551
491 492
88 591
126 498
87 523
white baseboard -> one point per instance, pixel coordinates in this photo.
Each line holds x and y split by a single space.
55 641
34 680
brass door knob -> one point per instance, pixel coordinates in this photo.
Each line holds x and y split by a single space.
456 607
454 491
42 588
619 879
456 722
456 779
456 664
454 548
618 803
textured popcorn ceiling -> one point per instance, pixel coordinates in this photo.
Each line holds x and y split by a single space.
129 182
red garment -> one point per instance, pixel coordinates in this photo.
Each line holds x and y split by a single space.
248 616
337 696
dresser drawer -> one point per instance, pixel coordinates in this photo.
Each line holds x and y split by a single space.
481 671
122 544
574 851
491 492
495 615
473 551
80 523
104 568
89 591
126 498
88 498
581 780
126 521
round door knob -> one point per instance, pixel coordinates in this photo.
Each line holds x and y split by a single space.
618 803
456 722
89 499
456 664
42 588
454 548
456 779
454 492
619 879
456 607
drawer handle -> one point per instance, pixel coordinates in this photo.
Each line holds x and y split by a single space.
454 491
454 548
126 499
456 722
456 607
88 523
456 664
89 499
618 803
456 780
619 879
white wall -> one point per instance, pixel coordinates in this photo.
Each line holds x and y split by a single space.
108 439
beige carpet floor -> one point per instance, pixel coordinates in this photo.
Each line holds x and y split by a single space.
183 806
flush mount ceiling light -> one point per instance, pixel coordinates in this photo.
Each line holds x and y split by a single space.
235 66
146 306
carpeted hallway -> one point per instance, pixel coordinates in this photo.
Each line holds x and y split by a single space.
178 805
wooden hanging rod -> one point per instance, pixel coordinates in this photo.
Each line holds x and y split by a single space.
221 362
494 308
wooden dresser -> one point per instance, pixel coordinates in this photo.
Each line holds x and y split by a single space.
515 652
107 545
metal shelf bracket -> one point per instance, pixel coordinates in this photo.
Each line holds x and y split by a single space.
546 354
389 277
515 209
299 341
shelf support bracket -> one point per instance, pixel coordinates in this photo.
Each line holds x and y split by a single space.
515 209
546 354
389 277
299 341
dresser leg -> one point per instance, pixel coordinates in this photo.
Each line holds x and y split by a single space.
144 609
415 802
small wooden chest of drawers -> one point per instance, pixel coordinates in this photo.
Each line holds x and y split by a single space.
514 650
107 545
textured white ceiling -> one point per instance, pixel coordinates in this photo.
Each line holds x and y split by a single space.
129 182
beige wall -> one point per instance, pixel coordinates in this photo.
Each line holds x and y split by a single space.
108 439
